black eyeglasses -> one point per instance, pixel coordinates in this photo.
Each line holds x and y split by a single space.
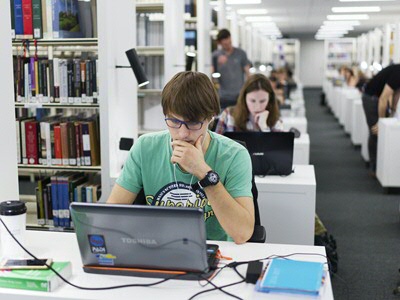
175 123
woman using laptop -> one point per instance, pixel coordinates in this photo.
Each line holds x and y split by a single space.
256 108
190 166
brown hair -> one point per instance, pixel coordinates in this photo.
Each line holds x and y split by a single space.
190 95
223 34
240 112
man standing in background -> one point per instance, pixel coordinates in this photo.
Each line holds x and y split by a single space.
233 66
378 101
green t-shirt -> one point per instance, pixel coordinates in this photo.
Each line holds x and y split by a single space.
149 166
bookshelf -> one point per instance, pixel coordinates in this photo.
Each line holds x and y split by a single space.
287 52
117 105
168 42
55 81
338 52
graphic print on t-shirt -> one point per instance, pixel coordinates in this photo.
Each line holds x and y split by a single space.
181 195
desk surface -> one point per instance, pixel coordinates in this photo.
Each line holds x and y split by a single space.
63 246
303 175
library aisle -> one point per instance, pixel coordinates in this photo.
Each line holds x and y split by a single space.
364 221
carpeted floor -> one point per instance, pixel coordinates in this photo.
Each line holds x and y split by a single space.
354 208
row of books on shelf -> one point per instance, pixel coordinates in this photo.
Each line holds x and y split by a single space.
339 55
150 29
55 193
55 80
58 141
154 68
53 19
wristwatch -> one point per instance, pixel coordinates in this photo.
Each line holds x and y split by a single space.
211 178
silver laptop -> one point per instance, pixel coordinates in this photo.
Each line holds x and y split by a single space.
147 241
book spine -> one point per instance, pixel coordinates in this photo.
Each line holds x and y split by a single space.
77 81
12 19
86 144
64 144
37 19
56 76
36 72
23 143
60 198
28 18
64 203
19 23
32 77
54 200
71 144
57 146
55 17
49 19
70 80
49 218
40 203
32 142
78 144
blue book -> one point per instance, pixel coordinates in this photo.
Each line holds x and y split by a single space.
54 200
18 18
292 276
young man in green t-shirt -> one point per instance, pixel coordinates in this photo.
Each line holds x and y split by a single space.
190 166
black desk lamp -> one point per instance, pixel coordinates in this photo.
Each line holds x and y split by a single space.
189 60
136 67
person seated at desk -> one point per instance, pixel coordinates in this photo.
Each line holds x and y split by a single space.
256 108
190 166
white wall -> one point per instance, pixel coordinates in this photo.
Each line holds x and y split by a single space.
311 62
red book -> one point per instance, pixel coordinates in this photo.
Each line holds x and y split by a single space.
57 145
27 17
31 138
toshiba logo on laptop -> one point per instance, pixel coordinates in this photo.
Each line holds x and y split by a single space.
139 241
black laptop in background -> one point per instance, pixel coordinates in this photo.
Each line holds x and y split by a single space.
271 152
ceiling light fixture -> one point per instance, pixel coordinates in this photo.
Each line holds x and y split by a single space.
350 23
366 0
258 19
348 17
250 11
355 9
235 2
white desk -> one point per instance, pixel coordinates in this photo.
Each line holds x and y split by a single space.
300 123
357 122
364 140
287 206
301 151
63 246
388 156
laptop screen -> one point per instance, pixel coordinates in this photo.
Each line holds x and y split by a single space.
136 236
271 152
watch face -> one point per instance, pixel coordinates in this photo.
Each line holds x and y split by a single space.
213 177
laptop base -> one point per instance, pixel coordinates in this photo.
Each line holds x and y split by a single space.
151 273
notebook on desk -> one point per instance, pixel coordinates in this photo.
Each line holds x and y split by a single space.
146 241
271 152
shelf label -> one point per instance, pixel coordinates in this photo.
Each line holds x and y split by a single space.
33 105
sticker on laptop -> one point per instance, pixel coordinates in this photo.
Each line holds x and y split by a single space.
97 244
106 259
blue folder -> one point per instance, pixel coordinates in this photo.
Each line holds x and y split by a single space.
292 276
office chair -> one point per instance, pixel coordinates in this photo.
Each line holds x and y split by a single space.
259 233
